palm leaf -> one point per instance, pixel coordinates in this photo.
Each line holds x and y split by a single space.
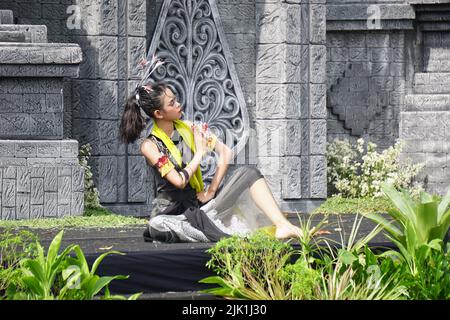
100 259
399 200
34 286
53 249
426 220
82 263
103 282
425 198
36 270
387 225
442 208
404 211
224 289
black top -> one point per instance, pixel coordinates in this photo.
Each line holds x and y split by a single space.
164 189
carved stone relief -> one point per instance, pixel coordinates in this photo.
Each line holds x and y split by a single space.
198 65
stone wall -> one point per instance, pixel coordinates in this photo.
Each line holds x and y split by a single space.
425 117
40 179
368 68
366 81
392 82
369 73
112 36
291 100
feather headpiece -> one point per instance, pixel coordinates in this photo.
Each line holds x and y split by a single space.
149 67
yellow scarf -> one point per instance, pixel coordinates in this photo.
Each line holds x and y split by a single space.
186 133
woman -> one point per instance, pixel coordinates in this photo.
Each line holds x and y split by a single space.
183 210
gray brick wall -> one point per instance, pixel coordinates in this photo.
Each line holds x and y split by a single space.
238 21
291 104
40 179
366 80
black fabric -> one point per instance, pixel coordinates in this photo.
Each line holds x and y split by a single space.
153 271
199 220
178 268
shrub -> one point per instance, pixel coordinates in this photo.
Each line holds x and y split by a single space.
249 267
419 226
354 172
13 248
303 278
60 276
261 267
91 194
432 281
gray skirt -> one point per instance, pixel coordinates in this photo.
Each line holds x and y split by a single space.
232 210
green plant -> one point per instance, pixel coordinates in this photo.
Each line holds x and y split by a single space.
354 172
86 221
38 275
340 282
353 272
91 194
433 277
340 205
419 225
59 276
13 248
302 278
249 267
82 283
260 267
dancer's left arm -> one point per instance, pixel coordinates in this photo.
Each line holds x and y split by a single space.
225 156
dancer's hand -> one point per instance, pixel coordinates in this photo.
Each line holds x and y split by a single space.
200 141
205 196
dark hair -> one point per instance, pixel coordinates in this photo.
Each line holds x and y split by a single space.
132 122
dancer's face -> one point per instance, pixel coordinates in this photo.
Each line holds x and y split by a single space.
171 107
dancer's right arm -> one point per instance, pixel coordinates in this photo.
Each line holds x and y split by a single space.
177 178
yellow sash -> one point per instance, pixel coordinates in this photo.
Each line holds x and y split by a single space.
186 133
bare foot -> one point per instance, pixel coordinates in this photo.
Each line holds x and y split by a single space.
287 231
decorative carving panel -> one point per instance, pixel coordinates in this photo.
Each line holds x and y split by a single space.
198 65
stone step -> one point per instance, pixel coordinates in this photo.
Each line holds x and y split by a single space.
6 17
428 83
11 36
436 59
40 60
427 102
24 33
39 53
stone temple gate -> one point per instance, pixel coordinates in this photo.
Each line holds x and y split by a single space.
276 79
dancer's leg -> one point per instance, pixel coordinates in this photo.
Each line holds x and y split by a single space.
251 178
263 198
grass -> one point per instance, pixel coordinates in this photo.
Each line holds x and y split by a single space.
340 205
92 218
103 218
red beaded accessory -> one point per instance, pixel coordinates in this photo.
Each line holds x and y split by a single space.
164 165
162 161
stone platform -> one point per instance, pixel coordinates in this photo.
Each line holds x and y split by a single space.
40 179
39 171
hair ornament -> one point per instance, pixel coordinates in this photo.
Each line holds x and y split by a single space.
149 67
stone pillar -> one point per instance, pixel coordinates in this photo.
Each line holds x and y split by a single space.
291 100
38 178
113 39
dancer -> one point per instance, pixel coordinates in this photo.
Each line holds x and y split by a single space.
182 210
